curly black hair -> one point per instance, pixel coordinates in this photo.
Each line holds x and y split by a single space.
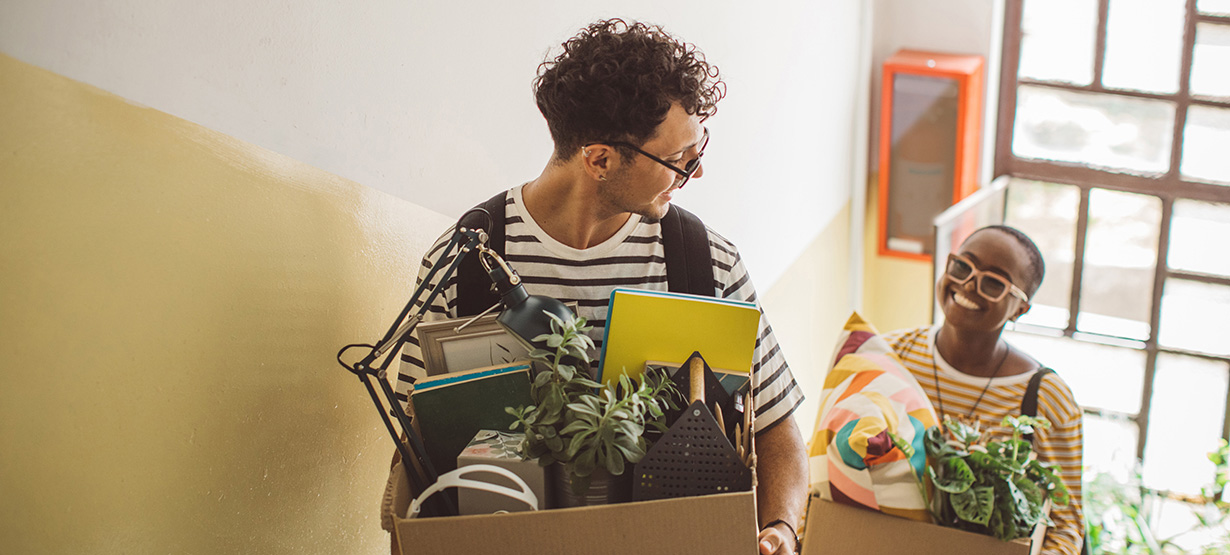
1037 268
615 81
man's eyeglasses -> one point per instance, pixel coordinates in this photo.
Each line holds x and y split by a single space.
992 287
688 169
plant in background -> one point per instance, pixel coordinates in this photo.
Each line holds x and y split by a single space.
996 488
1123 516
572 425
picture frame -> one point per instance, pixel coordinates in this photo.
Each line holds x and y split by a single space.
481 344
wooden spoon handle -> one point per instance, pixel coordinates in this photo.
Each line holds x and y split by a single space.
697 376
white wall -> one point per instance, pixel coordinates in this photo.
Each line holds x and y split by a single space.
430 101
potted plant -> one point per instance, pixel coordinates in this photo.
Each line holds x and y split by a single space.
997 488
587 429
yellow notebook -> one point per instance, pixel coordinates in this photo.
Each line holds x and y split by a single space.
656 325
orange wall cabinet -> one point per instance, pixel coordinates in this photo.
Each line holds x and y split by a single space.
931 119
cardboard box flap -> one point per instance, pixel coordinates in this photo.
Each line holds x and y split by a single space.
713 524
836 528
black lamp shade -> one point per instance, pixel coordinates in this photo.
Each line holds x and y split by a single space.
523 316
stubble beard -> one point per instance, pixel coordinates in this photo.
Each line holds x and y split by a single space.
614 200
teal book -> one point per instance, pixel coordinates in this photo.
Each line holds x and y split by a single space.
451 408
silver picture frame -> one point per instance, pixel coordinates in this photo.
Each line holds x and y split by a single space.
483 343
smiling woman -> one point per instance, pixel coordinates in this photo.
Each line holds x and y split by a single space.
970 373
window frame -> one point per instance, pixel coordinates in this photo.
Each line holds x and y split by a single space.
1168 187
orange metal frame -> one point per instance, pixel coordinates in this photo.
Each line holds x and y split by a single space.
967 71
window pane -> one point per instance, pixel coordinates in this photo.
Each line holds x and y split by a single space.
1110 446
1185 421
1047 213
1210 60
1195 317
1094 129
1120 261
1192 225
1213 7
1204 144
1144 44
1057 40
1101 376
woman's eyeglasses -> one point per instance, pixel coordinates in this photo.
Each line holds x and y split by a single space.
991 286
688 169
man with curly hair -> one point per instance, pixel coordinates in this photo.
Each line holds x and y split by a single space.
626 105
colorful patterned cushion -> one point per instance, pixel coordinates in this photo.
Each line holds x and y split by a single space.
867 396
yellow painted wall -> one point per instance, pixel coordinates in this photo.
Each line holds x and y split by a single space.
897 292
807 308
171 301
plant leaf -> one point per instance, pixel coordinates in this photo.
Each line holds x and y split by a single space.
902 444
962 432
937 447
974 504
578 442
583 408
615 462
956 475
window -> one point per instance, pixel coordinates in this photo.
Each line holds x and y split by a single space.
1115 133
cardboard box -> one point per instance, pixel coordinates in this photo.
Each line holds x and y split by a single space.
836 528
723 524
720 524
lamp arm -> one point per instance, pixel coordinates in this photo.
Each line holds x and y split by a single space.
397 334
463 242
522 317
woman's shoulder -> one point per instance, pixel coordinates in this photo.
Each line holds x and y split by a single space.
1055 394
904 340
907 335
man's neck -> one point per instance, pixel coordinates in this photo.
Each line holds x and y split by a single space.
566 205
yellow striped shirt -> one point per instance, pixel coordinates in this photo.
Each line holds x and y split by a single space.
1059 445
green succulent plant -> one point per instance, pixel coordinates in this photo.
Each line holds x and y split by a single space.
578 422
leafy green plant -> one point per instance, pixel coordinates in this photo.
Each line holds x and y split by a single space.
1123 515
996 488
580 423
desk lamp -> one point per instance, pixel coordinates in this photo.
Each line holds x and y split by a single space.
524 316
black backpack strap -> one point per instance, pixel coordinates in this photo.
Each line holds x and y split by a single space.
1029 403
689 262
475 292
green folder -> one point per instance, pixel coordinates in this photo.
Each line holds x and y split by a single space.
451 408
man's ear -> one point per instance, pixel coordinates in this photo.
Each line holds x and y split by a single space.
598 161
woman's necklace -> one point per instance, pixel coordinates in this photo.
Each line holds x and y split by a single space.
935 373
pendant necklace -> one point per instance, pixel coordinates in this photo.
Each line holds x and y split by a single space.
935 373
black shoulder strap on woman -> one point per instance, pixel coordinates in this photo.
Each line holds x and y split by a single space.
1029 407
685 243
1029 403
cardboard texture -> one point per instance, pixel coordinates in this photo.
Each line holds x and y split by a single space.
837 528
722 524
499 449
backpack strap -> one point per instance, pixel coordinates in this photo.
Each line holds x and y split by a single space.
1029 403
689 262
475 292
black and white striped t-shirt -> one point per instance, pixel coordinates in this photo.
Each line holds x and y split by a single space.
632 258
